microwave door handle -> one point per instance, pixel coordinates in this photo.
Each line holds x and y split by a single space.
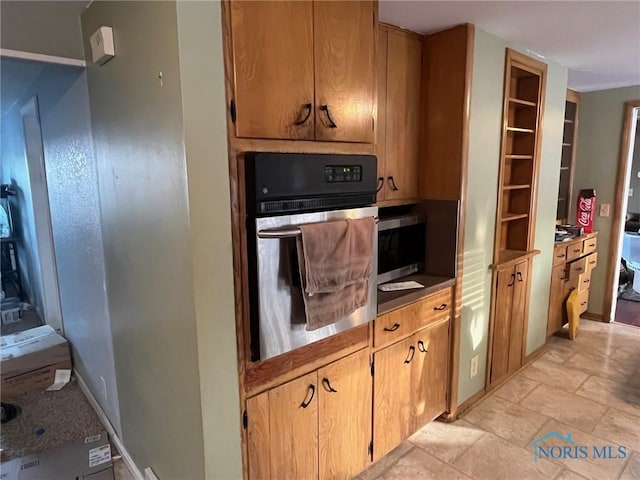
288 232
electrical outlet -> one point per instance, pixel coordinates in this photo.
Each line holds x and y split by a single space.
604 209
631 192
104 387
473 370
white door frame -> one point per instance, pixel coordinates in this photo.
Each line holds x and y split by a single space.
48 273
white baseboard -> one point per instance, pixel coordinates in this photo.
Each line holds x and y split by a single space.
126 458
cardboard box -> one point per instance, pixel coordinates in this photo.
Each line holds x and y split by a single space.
88 458
34 359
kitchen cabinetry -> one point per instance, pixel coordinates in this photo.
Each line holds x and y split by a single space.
510 311
411 375
316 426
567 160
303 70
573 263
397 133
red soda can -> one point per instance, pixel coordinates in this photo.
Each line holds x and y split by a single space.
586 209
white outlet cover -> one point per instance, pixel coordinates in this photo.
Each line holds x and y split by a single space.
102 48
631 192
604 209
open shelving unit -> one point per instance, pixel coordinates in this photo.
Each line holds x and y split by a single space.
523 105
567 160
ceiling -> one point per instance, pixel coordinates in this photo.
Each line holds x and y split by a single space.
15 77
598 41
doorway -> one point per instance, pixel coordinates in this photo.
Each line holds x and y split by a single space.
625 245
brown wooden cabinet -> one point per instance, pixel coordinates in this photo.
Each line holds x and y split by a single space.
573 263
303 70
409 385
316 426
398 130
568 158
510 310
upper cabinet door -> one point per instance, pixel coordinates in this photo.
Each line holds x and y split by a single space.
344 46
404 65
272 43
381 124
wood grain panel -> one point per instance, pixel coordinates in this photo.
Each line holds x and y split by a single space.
392 397
501 327
258 441
344 45
404 62
592 261
589 245
430 373
272 44
556 300
559 255
345 416
381 123
446 73
294 429
518 315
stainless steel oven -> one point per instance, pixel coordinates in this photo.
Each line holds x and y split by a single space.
285 191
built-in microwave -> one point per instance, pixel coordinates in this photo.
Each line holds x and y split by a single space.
401 245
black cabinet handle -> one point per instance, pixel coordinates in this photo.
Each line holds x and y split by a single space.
393 183
327 386
560 256
325 109
586 280
578 269
308 107
421 347
520 276
577 250
592 245
513 279
412 352
380 184
393 328
312 389
441 307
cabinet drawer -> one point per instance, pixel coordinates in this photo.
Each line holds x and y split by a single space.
592 261
399 323
577 268
559 255
589 245
433 308
574 251
583 301
394 325
584 281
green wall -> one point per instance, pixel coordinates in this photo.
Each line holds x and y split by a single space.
481 200
46 27
599 134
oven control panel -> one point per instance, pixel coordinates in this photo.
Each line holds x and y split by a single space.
342 173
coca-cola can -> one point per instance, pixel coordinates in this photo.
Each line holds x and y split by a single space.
586 209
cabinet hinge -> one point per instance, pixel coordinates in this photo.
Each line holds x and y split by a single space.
371 449
245 419
372 369
232 110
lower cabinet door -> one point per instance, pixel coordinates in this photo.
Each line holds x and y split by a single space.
518 314
344 416
501 323
283 431
392 419
556 300
430 373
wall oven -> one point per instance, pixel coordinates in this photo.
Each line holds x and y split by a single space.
284 191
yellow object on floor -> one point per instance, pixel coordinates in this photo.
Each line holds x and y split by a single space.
573 313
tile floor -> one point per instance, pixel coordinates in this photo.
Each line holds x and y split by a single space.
589 387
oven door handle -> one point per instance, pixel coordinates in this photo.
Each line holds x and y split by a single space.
288 232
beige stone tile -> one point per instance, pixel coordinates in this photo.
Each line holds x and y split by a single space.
565 407
567 474
619 427
555 375
375 470
632 469
604 366
589 467
494 458
510 421
516 388
446 441
557 355
616 395
121 472
419 464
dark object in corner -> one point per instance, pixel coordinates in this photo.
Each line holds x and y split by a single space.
9 411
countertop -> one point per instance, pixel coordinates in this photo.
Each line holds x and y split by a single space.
576 239
388 301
